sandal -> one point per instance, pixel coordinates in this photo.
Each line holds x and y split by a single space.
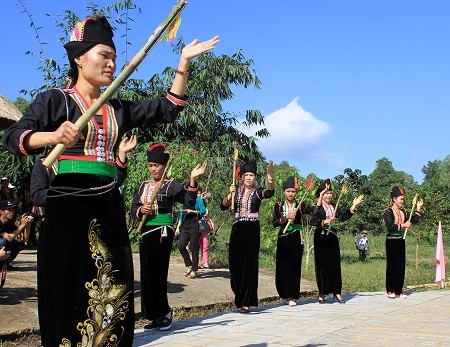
244 309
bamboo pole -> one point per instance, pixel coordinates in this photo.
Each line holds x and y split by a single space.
343 191
235 158
410 215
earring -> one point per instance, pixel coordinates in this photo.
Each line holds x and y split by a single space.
79 65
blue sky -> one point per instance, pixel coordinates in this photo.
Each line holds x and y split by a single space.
344 83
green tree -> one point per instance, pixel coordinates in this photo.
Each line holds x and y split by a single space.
356 184
435 191
376 194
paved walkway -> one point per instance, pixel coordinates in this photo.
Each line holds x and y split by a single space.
18 298
366 319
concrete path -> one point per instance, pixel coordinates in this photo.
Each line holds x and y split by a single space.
366 319
18 298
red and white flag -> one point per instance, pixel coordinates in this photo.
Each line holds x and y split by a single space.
440 260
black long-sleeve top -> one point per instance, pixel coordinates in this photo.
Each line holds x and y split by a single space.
320 214
170 193
249 209
280 212
394 220
53 107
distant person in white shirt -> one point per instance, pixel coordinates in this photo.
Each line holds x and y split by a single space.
362 243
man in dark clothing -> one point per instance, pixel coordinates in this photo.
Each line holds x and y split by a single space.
11 235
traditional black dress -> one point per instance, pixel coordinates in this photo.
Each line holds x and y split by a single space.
243 252
85 269
156 242
327 254
395 248
289 249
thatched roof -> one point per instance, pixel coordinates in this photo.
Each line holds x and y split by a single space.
9 113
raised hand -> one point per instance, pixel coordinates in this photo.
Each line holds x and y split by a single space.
357 201
195 48
419 204
198 170
270 171
128 144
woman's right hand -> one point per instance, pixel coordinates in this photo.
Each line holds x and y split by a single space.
4 254
67 134
195 48
407 224
330 221
291 215
232 188
327 188
146 209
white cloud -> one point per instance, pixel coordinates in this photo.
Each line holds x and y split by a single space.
294 134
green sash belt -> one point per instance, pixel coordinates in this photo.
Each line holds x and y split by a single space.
292 227
87 167
396 232
159 219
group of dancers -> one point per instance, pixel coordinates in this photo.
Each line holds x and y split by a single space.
85 269
323 216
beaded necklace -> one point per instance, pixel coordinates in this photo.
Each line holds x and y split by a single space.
99 140
244 200
329 210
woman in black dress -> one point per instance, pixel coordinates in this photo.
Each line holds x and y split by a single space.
327 254
243 252
290 243
397 219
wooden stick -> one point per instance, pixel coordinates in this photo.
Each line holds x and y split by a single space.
410 215
117 83
335 209
155 193
235 158
426 285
